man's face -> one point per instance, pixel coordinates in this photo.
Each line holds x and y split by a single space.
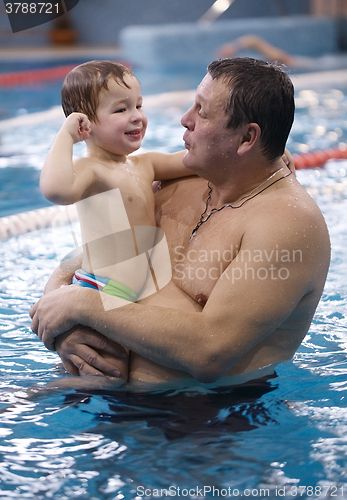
209 143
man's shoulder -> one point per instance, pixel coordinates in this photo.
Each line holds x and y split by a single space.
298 206
288 214
292 202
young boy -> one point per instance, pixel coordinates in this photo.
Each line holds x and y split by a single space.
112 190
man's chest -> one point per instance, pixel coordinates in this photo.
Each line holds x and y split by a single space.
199 261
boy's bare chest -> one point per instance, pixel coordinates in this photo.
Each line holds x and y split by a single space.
134 194
126 178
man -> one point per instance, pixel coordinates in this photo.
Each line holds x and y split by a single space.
250 251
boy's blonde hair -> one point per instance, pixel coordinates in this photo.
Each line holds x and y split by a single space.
82 86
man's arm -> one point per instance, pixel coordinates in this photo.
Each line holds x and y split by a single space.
82 350
239 314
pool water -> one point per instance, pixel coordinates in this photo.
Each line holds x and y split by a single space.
285 437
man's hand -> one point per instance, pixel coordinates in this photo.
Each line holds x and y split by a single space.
52 315
84 351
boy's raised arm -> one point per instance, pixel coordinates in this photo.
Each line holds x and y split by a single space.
61 182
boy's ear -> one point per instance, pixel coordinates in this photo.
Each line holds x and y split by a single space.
249 138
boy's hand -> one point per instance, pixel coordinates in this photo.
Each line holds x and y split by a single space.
78 126
289 161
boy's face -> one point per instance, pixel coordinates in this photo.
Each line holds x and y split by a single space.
121 123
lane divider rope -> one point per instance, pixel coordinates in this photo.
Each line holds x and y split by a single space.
37 75
14 225
320 157
24 77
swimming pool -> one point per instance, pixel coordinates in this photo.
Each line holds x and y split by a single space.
283 438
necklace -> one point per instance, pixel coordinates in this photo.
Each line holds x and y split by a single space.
241 201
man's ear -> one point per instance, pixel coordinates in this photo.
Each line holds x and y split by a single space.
249 138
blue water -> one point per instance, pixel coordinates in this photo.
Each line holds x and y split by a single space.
282 438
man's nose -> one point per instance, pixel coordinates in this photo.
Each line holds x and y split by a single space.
187 121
